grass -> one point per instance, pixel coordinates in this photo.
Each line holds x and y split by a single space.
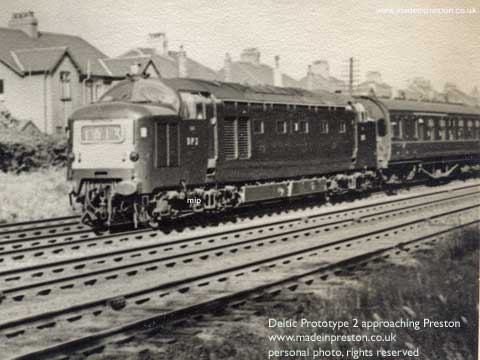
440 284
34 195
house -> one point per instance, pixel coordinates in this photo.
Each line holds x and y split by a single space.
421 89
454 95
250 71
374 86
157 60
318 78
44 76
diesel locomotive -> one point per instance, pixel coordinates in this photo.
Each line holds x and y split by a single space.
153 149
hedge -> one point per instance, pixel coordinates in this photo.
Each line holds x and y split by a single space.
21 153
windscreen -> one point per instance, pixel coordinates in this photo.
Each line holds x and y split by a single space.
147 91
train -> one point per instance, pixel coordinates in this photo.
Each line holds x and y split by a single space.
152 150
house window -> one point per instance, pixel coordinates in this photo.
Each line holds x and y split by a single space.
66 85
323 127
281 127
1 86
258 127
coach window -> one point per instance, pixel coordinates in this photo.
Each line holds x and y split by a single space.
397 128
460 129
430 130
194 106
470 130
442 129
258 127
450 129
281 127
421 129
323 127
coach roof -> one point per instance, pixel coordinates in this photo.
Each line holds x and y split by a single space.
429 107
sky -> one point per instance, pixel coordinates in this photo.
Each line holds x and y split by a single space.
442 47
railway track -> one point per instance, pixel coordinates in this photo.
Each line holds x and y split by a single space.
188 279
27 229
27 234
47 279
56 237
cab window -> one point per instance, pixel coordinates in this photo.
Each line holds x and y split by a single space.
194 106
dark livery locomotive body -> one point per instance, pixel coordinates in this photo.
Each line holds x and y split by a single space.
153 149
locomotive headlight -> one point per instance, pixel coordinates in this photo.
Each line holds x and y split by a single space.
134 156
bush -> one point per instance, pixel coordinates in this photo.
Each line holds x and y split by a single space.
20 152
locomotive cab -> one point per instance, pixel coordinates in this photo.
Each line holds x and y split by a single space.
113 143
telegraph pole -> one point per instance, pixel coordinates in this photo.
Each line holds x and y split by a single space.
351 74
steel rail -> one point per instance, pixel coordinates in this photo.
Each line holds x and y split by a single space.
47 242
155 260
168 316
147 290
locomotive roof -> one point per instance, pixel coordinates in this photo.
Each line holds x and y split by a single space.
258 93
429 107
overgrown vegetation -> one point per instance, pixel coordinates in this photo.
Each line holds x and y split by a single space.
36 195
21 153
440 284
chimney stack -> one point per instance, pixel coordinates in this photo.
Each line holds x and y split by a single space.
321 67
159 42
182 63
25 21
277 74
251 55
228 68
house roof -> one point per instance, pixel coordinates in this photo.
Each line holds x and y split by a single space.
195 69
244 72
15 46
377 84
38 60
167 66
320 82
119 67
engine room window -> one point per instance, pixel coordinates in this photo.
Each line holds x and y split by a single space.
258 127
342 127
282 127
300 127
323 127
